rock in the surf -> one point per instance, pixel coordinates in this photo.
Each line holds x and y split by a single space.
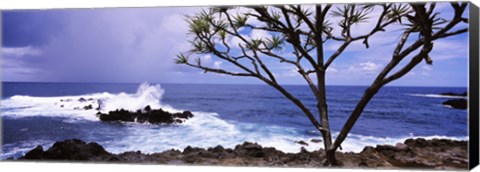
464 94
456 103
81 99
155 116
100 105
88 107
301 142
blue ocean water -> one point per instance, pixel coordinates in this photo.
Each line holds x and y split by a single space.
42 113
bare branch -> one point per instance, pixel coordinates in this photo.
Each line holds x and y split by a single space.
295 40
299 104
448 34
254 63
415 60
265 68
400 44
271 54
215 70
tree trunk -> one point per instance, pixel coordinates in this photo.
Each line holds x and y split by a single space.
330 158
323 110
369 93
322 98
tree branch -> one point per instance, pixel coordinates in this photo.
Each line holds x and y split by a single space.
336 54
447 34
215 70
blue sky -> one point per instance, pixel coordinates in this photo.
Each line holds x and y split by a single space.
139 44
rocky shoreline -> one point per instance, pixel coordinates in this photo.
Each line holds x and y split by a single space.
413 153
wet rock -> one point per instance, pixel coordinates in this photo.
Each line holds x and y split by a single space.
147 108
88 107
69 150
157 116
419 142
249 149
401 146
36 153
100 105
117 116
369 157
190 150
456 103
301 142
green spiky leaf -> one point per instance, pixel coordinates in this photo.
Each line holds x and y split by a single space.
181 59
239 21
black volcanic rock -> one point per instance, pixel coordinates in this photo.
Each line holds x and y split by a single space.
157 116
88 107
70 150
301 142
36 153
456 103
81 99
413 153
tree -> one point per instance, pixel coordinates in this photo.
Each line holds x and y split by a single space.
304 31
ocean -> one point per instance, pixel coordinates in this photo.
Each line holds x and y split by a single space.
43 113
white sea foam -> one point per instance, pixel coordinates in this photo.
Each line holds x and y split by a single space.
19 149
212 131
208 130
72 107
436 96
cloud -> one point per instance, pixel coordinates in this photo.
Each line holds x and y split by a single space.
367 68
206 58
21 51
22 28
254 34
259 34
14 66
236 42
448 49
331 70
217 64
426 69
290 73
114 45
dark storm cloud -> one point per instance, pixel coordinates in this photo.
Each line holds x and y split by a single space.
96 45
31 28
